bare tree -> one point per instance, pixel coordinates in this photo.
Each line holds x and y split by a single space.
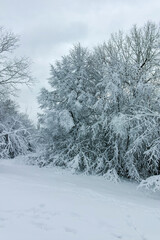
13 71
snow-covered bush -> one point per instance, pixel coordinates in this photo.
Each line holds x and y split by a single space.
151 183
16 131
112 176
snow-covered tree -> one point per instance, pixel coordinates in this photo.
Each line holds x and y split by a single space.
103 112
131 101
15 128
68 109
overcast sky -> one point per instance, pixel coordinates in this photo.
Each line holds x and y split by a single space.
49 28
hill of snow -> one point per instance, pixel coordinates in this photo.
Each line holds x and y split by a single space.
51 203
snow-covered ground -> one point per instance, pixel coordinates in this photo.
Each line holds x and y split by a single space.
53 204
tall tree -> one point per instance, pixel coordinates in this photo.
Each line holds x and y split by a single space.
15 128
68 108
131 100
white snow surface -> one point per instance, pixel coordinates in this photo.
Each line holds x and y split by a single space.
54 204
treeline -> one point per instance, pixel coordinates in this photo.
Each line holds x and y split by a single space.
103 110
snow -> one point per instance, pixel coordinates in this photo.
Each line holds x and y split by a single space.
66 120
152 183
51 203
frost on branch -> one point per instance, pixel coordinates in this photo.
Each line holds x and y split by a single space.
74 164
66 120
119 124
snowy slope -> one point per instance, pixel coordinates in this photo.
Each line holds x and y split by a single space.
53 204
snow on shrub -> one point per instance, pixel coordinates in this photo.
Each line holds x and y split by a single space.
112 176
151 183
75 164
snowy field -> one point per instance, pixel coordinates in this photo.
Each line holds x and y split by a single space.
53 204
